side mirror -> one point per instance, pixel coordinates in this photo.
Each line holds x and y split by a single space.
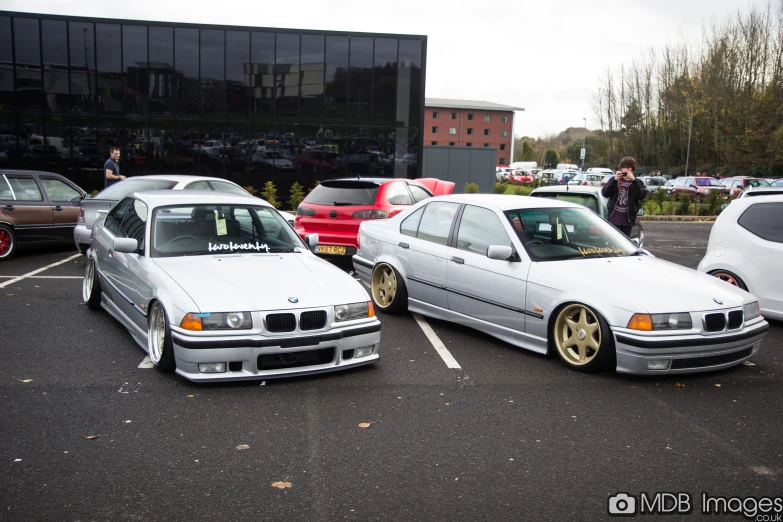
499 252
125 245
311 240
692 186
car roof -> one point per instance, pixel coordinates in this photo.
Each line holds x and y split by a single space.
576 189
161 198
504 201
762 190
768 198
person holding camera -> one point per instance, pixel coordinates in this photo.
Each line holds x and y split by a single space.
625 194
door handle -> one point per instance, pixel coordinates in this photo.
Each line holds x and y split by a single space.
58 208
458 260
8 207
404 245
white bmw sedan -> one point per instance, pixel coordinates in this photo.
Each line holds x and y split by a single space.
219 287
746 248
552 276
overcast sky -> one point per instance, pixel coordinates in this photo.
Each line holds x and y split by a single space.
544 55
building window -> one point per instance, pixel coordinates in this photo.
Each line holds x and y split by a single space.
502 146
452 130
434 115
470 117
434 130
468 144
434 143
451 144
504 119
502 161
470 132
487 117
486 132
486 144
453 115
503 133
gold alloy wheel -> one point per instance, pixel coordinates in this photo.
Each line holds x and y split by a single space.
577 335
384 285
727 277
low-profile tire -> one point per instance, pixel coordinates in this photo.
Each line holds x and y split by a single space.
388 289
582 339
159 344
730 278
7 242
91 286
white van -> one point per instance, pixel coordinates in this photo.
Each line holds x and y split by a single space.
524 165
567 166
600 170
61 144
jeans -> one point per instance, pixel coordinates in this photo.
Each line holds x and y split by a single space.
624 229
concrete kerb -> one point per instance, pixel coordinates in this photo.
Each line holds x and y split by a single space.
687 219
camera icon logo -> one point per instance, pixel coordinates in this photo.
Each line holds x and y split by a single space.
622 505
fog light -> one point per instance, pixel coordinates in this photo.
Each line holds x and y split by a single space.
658 364
212 367
363 352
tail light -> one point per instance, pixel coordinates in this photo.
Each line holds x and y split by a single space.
602 183
584 183
80 219
304 211
370 214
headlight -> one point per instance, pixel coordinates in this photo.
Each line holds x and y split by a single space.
353 311
752 310
217 321
647 322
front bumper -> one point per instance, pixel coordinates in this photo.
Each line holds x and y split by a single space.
81 237
245 352
693 353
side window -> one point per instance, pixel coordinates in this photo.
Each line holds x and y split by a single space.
410 225
397 194
134 222
763 220
230 188
115 217
436 222
5 190
419 194
24 189
198 185
478 229
58 190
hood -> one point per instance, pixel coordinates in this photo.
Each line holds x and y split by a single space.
640 283
438 187
253 282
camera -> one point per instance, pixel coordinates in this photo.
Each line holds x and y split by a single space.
623 505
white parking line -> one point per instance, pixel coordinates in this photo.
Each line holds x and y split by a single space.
444 352
146 363
47 267
45 277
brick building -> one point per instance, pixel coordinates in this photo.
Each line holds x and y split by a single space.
469 123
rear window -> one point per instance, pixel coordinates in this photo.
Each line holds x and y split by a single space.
763 220
353 193
128 187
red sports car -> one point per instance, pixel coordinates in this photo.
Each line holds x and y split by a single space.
335 208
520 176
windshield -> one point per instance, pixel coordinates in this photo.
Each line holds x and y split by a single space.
556 234
220 229
355 193
129 186
707 182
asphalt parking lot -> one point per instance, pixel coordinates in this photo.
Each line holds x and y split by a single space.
509 435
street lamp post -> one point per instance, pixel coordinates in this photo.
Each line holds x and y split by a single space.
584 143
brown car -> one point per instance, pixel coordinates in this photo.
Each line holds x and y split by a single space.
698 187
36 208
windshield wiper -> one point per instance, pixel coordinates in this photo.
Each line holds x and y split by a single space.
638 253
281 249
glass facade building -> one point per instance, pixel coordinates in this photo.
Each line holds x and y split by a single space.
241 103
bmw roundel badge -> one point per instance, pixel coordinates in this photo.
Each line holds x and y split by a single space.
293 300
714 299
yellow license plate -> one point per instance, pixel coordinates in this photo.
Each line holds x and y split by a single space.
330 249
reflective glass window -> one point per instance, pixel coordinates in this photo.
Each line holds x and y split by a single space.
135 69
186 64
237 63
55 58
409 83
29 83
163 77
385 81
313 70
212 72
82 55
336 96
287 77
262 64
360 80
6 64
109 51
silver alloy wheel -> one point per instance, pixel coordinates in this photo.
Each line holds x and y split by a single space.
89 277
156 335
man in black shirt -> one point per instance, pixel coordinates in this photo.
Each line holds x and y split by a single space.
111 170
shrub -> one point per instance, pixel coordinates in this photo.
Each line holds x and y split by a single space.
270 194
713 203
521 190
499 188
296 197
470 188
684 205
